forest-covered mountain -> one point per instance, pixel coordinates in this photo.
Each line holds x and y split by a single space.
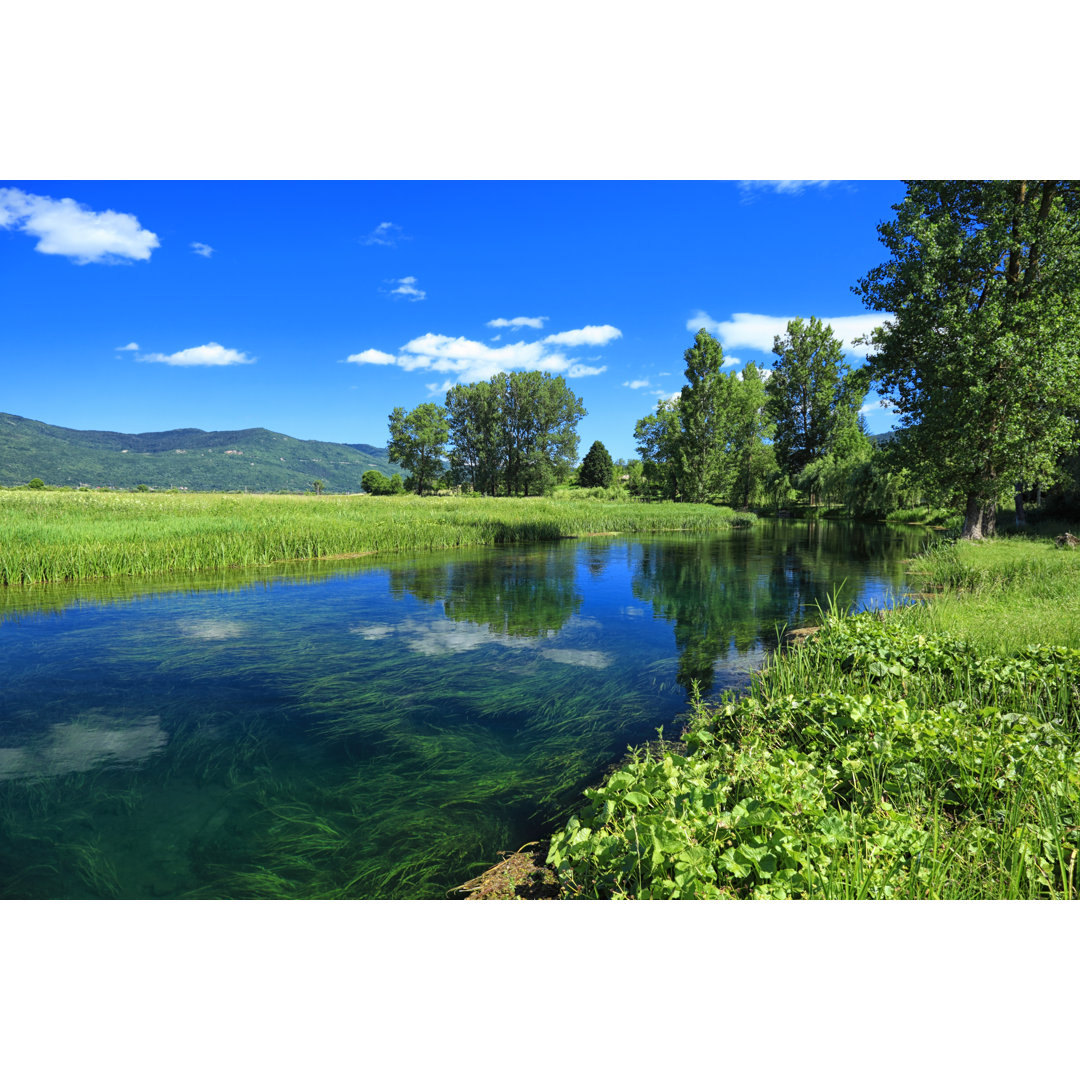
254 459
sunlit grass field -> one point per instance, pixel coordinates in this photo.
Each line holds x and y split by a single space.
83 535
1002 594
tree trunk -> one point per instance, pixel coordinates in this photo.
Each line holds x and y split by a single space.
979 520
1021 514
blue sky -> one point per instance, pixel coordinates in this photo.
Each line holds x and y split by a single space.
314 308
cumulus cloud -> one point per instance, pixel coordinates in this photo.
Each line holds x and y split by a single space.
209 355
466 360
536 322
406 287
731 361
587 335
65 227
131 346
749 331
385 234
205 250
371 356
637 384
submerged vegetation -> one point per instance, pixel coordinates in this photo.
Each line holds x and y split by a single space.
75 536
933 752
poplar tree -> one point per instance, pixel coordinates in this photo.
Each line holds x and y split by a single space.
700 408
980 349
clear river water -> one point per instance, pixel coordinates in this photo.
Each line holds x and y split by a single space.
375 728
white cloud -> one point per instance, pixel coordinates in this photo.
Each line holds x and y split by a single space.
781 187
637 384
875 406
465 360
731 361
371 356
210 355
536 322
65 227
406 287
748 331
131 346
386 234
435 388
587 335
205 250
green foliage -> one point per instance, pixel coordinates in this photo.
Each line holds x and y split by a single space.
37 483
917 767
597 467
812 396
517 432
375 483
477 435
702 411
981 350
417 442
658 439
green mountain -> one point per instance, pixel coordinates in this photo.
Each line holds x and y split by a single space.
250 460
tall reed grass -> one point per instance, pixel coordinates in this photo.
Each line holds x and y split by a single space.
76 536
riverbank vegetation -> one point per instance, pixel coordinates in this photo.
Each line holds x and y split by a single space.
933 752
81 535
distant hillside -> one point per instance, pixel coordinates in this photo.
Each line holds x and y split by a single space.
254 459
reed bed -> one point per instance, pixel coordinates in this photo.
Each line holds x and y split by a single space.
78 536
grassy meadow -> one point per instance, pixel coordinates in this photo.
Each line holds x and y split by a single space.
48 536
930 752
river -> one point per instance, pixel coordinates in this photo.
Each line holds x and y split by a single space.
375 728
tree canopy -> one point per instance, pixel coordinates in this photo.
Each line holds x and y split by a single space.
807 393
980 349
596 468
418 442
517 432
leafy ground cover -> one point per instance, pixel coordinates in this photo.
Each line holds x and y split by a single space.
933 752
82 535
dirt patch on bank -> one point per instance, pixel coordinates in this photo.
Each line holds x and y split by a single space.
521 875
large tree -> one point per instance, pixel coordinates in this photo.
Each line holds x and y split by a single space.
474 414
657 437
980 349
539 426
750 426
808 393
418 441
701 408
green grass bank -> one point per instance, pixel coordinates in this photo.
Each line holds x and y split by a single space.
82 535
933 752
